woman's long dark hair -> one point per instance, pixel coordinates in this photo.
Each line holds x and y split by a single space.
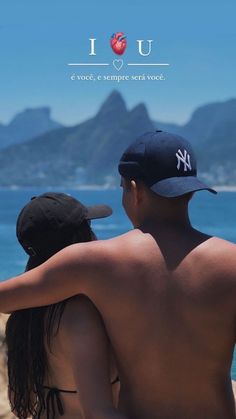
26 331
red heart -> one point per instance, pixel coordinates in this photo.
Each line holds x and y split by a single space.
118 43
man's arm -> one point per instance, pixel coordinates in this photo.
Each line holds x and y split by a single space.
85 345
71 271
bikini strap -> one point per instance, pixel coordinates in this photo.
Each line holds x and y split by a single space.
53 400
60 390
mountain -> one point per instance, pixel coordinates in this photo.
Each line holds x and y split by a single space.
27 124
86 153
217 156
212 131
203 122
206 120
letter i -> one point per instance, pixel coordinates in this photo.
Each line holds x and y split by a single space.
92 46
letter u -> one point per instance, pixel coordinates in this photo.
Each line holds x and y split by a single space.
140 47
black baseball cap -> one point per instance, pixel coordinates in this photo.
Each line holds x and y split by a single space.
165 162
45 224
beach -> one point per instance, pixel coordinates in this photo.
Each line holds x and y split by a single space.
5 411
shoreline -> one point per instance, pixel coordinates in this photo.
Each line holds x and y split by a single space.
94 187
225 188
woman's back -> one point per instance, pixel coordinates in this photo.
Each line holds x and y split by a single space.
74 346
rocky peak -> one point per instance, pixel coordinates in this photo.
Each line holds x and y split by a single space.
113 107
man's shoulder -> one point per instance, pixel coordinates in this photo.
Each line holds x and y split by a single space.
219 247
217 257
128 237
130 242
222 242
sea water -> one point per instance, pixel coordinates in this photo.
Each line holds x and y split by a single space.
215 215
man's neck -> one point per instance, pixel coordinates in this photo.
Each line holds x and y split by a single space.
166 225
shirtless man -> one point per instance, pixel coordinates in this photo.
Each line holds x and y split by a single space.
166 292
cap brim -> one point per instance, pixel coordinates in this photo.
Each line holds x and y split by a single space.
177 186
98 211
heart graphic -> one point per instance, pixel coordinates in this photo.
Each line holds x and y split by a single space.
118 64
118 43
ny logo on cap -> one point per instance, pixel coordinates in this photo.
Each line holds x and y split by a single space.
185 159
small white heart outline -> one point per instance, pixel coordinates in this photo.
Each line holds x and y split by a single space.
118 64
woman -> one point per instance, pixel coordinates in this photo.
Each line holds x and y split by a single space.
56 353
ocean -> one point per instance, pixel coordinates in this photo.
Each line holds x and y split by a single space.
212 214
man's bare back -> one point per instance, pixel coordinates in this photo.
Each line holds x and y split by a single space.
166 293
178 347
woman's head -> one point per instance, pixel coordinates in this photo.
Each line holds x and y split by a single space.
52 221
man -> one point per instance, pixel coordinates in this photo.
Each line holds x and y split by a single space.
166 291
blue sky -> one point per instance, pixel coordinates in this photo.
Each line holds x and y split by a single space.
39 38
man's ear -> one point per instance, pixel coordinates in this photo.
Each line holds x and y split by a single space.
136 192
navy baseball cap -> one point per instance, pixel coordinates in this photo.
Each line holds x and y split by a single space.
165 162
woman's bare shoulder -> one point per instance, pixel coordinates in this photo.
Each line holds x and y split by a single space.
80 318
